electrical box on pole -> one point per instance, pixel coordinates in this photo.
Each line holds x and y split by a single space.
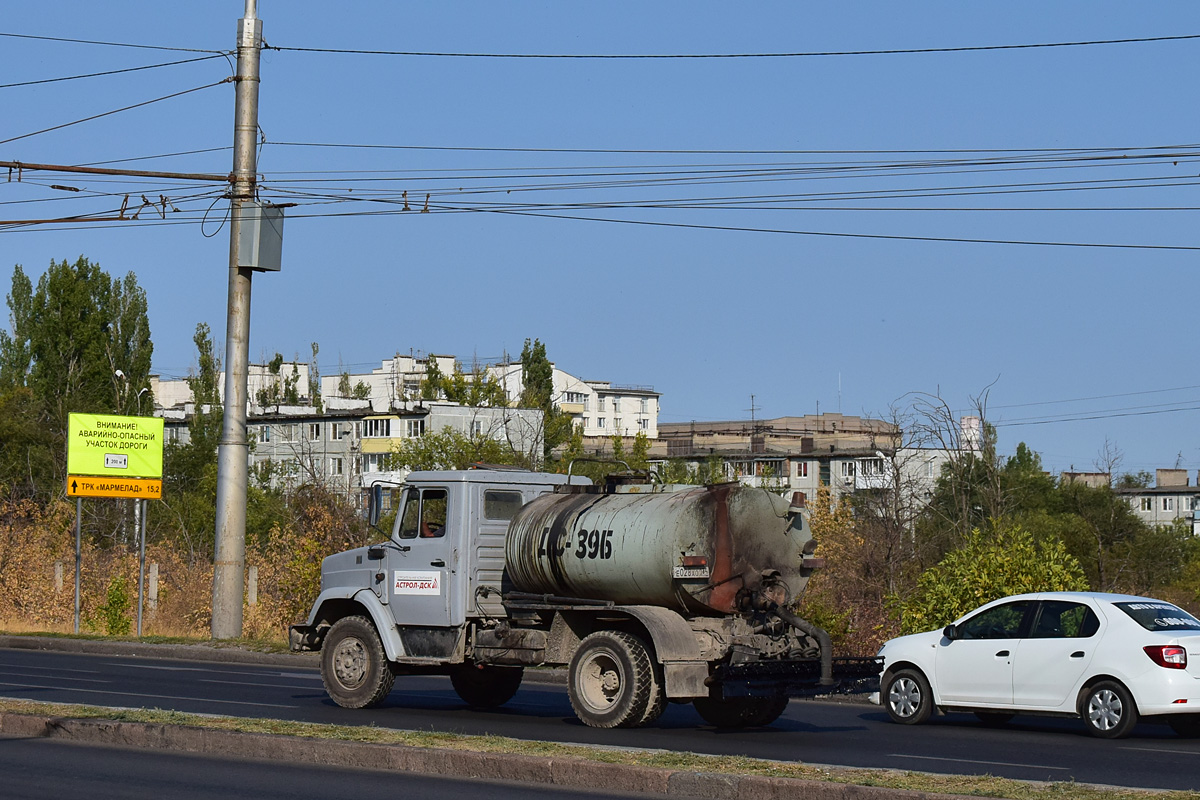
260 245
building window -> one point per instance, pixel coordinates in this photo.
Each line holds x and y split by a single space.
801 469
645 406
643 424
314 431
335 466
600 403
374 462
1147 504
377 428
1168 504
337 431
929 467
601 422
264 433
847 469
617 405
414 428
616 422
872 466
477 427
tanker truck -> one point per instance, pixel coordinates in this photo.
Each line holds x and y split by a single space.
645 593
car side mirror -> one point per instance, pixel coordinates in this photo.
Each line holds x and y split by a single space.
950 632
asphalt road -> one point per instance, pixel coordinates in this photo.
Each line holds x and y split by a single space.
35 769
815 732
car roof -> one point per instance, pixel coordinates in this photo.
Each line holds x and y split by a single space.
1104 597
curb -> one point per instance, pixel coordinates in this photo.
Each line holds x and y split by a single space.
571 773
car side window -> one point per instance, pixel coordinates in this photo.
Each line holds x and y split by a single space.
1060 619
1000 622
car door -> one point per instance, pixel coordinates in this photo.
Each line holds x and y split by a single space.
1050 661
420 567
975 668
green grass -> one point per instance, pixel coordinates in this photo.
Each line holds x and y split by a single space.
985 786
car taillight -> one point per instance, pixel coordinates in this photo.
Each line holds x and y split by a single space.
1171 656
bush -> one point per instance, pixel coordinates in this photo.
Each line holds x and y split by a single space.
1008 562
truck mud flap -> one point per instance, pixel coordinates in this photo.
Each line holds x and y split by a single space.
796 678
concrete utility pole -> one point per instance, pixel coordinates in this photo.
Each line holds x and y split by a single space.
233 452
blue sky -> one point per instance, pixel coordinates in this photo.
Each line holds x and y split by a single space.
705 305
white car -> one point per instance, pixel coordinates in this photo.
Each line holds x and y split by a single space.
1108 658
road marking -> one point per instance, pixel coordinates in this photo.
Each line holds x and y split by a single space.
267 685
1161 750
65 677
976 761
262 673
137 694
52 669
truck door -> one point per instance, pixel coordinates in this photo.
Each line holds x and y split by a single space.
422 567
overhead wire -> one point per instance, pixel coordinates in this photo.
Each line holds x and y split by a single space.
109 72
109 44
808 54
114 111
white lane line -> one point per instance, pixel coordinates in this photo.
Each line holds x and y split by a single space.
976 761
43 675
247 683
51 669
1162 750
148 696
257 673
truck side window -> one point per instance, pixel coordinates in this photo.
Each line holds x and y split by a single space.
499 504
424 514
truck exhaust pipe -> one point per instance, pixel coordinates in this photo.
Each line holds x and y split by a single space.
817 633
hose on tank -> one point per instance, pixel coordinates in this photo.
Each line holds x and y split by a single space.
817 633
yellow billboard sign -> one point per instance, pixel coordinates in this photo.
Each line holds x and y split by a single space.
91 486
112 446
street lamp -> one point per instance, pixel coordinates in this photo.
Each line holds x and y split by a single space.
119 375
141 391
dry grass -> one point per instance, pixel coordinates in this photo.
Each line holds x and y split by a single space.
985 786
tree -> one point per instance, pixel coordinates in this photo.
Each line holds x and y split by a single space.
988 567
80 342
450 449
537 381
433 385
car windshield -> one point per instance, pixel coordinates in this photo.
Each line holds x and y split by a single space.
1155 615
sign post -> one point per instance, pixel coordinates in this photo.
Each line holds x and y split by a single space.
114 456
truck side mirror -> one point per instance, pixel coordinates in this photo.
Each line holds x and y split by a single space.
374 503
950 632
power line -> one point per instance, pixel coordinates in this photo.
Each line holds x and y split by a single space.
109 72
114 111
812 54
367 146
109 44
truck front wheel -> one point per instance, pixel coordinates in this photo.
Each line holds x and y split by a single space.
354 667
611 680
485 686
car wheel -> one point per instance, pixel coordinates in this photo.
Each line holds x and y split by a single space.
1186 725
993 718
1108 710
907 697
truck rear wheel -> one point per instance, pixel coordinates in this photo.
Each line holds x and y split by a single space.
354 667
611 681
485 686
740 712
